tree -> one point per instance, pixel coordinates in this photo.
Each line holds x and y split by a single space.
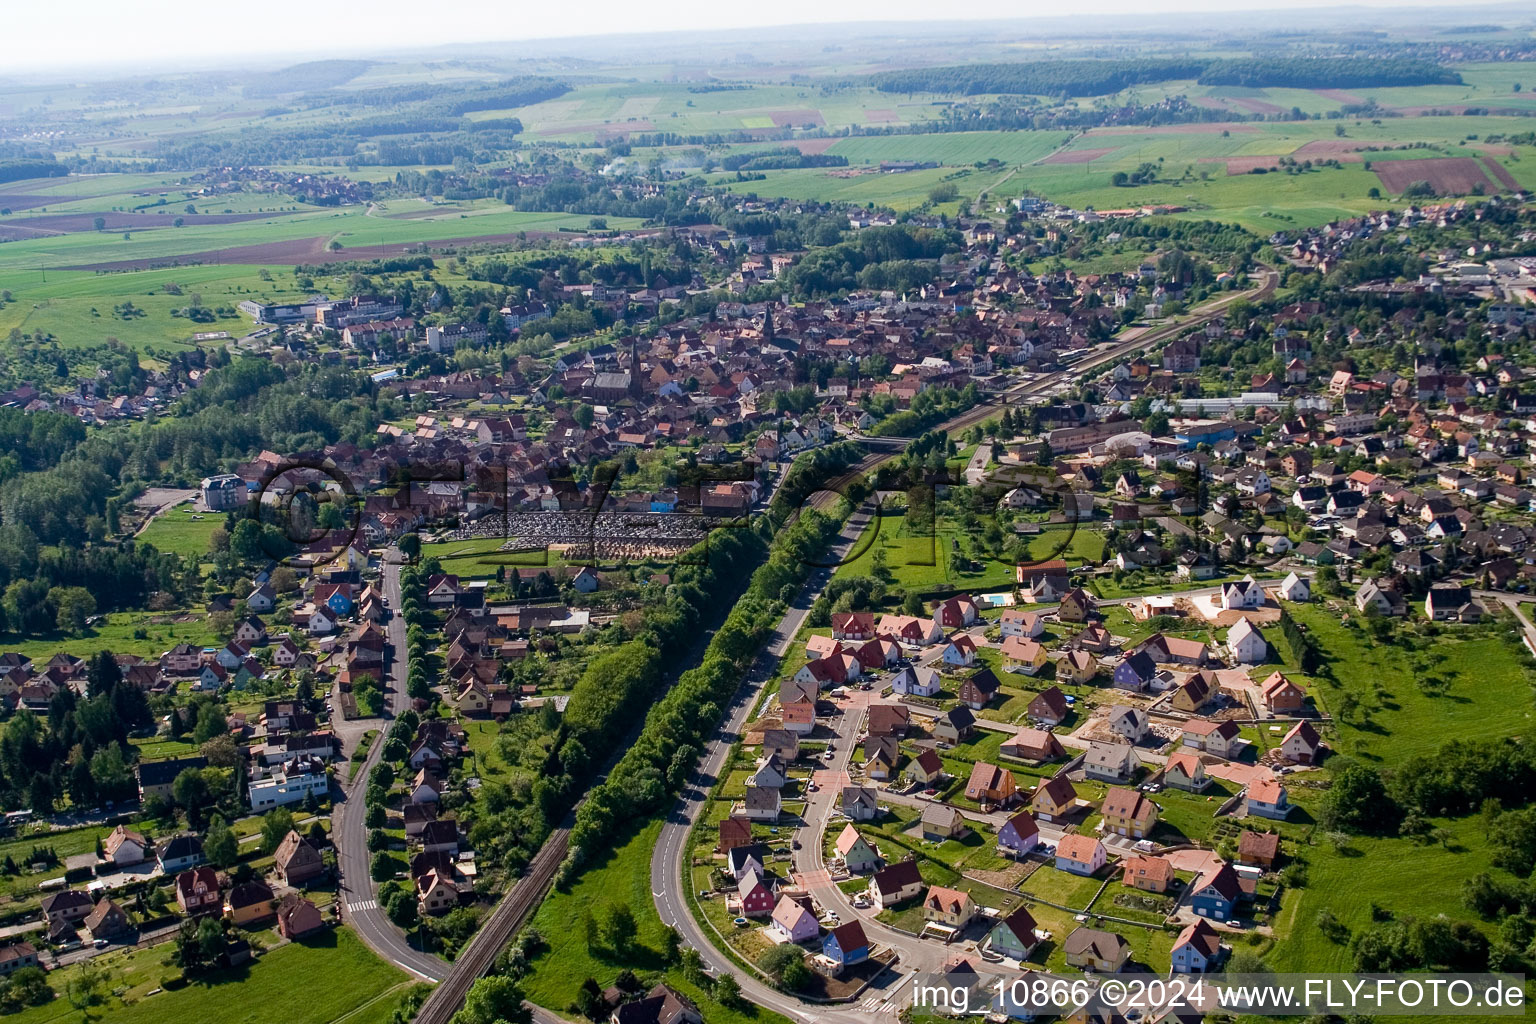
382 867
727 991
85 987
402 911
99 223
28 987
190 789
589 999
409 545
74 605
210 723
491 1000
1358 802
221 751
220 845
618 931
275 826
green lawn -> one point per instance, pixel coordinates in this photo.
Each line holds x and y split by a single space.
1062 887
1398 875
922 562
295 983
148 634
182 531
1489 692
622 876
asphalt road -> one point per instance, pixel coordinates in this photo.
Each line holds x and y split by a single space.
358 895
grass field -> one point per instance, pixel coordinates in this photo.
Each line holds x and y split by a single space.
294 983
951 147
181 531
148 634
1489 692
621 876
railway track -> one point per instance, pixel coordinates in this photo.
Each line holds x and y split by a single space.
509 915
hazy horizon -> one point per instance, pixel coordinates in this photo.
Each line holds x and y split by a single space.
135 37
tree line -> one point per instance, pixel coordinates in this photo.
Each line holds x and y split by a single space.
1068 78
660 761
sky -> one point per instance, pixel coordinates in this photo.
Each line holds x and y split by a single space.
173 34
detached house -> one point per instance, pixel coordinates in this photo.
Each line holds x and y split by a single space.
1128 813
1080 855
1014 936
1054 800
1110 762
1104 952
1216 894
1186 771
1267 798
1196 950
1281 696
1301 744
858 856
1018 835
1049 707
895 883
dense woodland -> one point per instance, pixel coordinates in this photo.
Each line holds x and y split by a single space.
1066 78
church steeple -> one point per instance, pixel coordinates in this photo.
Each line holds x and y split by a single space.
768 322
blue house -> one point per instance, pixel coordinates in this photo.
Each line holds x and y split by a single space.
335 596
1215 895
1135 672
662 503
846 945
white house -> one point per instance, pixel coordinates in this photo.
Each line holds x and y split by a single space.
1247 644
1245 594
917 681
1294 588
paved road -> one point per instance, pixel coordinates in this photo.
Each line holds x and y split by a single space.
669 886
357 895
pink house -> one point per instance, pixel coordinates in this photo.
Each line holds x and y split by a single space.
792 922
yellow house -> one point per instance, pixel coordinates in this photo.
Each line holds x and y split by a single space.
1103 951
1128 813
248 902
1021 655
949 907
1054 799
473 699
